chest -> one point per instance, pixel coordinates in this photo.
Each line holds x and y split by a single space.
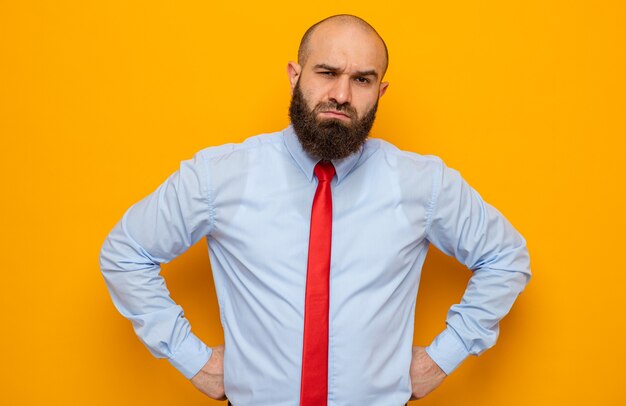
378 220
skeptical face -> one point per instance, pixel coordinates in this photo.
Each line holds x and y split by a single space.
329 130
335 92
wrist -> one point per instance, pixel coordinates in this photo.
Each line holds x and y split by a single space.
190 356
447 350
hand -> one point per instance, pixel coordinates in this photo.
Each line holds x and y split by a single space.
210 379
425 374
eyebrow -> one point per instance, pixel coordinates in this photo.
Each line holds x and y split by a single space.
371 72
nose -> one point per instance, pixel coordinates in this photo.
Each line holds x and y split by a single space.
340 91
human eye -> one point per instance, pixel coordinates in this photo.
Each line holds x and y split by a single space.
362 80
327 73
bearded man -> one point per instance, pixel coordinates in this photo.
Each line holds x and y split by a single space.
317 235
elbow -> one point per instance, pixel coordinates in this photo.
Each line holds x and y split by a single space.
113 253
120 253
106 256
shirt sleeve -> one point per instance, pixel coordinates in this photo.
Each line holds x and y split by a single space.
154 231
476 234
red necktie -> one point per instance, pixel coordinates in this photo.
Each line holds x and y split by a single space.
314 388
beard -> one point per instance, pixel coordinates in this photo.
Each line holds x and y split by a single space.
329 139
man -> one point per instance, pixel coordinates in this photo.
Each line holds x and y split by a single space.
317 236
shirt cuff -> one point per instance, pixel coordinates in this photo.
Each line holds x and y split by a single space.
190 356
447 350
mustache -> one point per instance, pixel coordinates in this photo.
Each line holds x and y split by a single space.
344 108
329 139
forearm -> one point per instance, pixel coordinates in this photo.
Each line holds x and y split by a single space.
473 324
140 294
480 237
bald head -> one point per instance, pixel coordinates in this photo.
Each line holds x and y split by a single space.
337 21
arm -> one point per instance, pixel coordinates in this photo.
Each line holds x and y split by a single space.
461 224
155 230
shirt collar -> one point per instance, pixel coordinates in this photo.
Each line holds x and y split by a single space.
307 163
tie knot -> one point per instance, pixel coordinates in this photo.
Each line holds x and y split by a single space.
324 170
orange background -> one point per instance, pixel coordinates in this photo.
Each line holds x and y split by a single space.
100 100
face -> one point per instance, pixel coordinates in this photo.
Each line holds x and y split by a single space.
336 91
328 138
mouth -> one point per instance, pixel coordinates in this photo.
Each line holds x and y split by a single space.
334 114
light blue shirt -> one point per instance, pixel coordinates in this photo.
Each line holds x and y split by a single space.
252 201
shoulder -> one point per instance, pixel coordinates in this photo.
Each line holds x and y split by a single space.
260 143
395 157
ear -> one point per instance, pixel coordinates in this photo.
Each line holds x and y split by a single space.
382 89
293 72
